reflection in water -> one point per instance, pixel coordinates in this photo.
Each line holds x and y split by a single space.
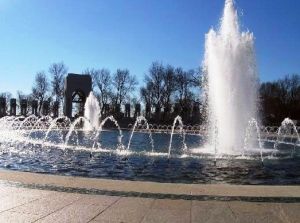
141 164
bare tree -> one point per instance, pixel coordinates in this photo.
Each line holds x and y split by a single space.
124 84
184 91
280 99
102 82
184 83
156 78
58 72
160 86
40 88
147 94
91 72
168 87
198 78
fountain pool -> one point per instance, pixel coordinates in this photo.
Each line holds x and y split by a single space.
59 146
233 148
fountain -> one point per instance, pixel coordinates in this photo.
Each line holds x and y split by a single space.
181 131
87 126
253 124
229 65
100 129
139 121
54 124
238 144
92 111
287 129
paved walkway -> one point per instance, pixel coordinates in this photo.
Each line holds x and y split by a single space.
31 205
19 202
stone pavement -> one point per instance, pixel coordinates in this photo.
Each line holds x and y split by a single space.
32 205
22 202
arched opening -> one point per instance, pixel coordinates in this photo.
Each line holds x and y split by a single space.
78 100
77 88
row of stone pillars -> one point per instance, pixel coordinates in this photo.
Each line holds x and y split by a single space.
107 110
24 104
191 110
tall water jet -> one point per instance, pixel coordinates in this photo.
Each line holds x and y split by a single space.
253 125
92 111
230 69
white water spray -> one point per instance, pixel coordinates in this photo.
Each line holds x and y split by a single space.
230 67
99 130
253 124
92 111
72 128
54 124
139 121
181 130
286 128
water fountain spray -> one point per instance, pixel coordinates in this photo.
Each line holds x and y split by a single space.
99 130
139 121
287 124
92 111
230 68
181 130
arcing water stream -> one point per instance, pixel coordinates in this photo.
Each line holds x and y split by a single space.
237 142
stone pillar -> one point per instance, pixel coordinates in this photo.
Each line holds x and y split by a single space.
23 105
127 110
157 112
13 107
55 109
137 111
34 107
106 109
117 109
196 111
186 112
177 109
2 107
45 108
167 110
148 111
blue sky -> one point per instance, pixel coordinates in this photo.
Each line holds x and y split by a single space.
134 33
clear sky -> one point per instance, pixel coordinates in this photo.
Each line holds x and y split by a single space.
134 33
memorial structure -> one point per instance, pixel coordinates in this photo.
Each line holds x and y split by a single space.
13 107
2 106
23 106
77 88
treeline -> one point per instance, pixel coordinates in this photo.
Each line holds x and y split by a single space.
166 91
280 99
163 87
47 86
